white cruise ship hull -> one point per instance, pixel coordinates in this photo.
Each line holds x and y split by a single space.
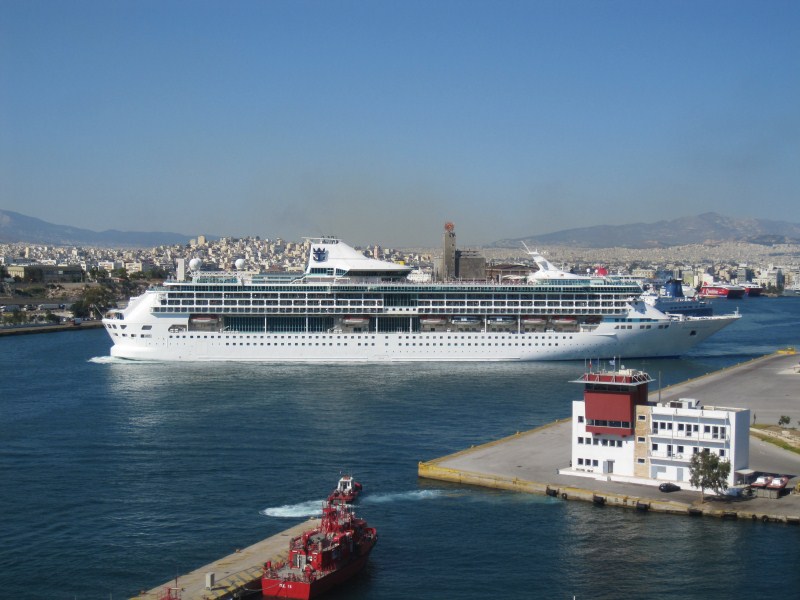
675 339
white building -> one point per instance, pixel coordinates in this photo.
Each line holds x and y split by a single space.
618 434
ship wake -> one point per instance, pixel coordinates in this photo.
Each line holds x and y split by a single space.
313 508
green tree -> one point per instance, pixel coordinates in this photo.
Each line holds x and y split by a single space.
707 471
784 420
95 300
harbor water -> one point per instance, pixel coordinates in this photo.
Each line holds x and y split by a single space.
116 476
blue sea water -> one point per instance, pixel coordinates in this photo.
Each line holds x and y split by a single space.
116 476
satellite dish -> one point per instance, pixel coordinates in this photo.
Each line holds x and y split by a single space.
195 264
239 264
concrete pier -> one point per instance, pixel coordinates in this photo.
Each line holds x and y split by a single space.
537 461
29 329
233 576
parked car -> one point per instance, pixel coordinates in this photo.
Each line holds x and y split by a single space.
669 487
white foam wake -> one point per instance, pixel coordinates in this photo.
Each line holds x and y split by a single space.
313 508
116 360
310 508
400 496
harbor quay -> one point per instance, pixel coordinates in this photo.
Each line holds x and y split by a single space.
31 329
539 461
232 576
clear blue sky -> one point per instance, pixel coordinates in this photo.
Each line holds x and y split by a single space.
378 121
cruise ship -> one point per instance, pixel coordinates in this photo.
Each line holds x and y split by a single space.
348 307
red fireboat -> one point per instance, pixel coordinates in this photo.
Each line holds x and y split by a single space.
346 491
322 557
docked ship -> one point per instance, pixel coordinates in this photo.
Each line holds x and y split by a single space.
670 299
349 307
791 290
322 557
753 290
721 290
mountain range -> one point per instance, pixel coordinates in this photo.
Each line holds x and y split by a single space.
707 228
15 228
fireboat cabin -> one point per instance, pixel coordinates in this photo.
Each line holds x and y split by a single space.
619 435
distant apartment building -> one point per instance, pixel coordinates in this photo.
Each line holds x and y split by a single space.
618 434
139 266
109 265
46 273
772 276
643 273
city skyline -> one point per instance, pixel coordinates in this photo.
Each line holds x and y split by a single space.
383 121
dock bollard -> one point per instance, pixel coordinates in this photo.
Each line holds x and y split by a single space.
209 580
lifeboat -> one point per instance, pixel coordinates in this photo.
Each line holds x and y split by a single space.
502 320
355 321
762 481
533 321
204 319
465 320
565 321
778 482
432 321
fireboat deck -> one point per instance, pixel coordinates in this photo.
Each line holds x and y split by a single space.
233 574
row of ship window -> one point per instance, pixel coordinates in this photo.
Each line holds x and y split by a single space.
594 298
454 306
349 310
316 337
345 343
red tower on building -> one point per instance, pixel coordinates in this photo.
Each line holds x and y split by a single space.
610 398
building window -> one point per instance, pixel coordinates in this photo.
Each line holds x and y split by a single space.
640 461
580 440
680 449
580 461
721 453
594 463
641 440
642 417
580 419
655 447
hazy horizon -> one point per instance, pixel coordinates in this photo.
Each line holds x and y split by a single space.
382 120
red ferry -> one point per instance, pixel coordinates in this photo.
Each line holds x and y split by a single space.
347 490
323 557
721 290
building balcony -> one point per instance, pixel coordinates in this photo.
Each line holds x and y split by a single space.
698 436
